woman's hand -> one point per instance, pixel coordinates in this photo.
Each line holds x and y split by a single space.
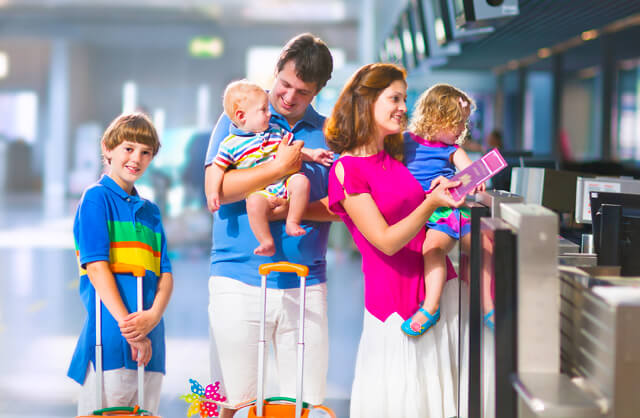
440 193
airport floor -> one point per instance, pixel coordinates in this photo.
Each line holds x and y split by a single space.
41 314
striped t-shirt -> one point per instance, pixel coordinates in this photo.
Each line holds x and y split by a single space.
243 149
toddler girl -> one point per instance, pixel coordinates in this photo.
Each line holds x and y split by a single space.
438 126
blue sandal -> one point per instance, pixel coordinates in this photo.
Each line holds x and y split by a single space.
488 322
431 320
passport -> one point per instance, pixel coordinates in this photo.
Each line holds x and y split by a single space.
479 171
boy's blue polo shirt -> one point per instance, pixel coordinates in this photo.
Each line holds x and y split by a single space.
234 242
113 226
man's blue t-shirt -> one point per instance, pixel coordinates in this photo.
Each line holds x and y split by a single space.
233 241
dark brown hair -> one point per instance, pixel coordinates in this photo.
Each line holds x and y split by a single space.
351 124
313 61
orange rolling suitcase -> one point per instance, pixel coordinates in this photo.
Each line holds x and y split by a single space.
280 407
136 411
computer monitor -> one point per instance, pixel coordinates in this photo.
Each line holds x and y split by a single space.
585 185
616 230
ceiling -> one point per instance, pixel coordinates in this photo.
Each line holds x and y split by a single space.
548 23
166 23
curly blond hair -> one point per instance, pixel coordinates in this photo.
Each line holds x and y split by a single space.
441 107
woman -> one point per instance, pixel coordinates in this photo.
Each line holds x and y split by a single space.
386 210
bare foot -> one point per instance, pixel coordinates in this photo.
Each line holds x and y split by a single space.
267 249
294 230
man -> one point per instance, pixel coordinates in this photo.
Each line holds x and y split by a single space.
303 69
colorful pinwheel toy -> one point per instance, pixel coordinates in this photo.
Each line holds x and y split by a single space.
203 401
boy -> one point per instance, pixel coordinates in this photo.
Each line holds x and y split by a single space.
253 141
113 224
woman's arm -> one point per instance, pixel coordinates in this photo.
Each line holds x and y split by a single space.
389 239
238 184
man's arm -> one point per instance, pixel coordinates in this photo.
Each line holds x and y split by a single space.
317 211
238 184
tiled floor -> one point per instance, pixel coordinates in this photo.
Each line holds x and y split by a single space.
41 315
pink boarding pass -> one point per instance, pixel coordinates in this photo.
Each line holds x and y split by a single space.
479 171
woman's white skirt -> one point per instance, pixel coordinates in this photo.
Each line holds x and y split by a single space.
401 376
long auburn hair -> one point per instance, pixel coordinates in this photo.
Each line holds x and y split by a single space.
351 124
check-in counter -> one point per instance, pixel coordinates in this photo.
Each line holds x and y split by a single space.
600 341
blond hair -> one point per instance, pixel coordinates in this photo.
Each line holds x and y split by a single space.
132 127
441 107
237 95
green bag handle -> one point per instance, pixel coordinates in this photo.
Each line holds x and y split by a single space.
133 410
285 399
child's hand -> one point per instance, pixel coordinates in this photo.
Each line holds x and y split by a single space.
141 351
213 202
479 188
137 325
322 156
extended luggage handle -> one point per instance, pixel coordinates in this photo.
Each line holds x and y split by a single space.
283 267
302 272
123 268
138 272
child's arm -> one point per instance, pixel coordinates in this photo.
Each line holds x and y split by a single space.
105 285
214 175
461 160
318 155
137 325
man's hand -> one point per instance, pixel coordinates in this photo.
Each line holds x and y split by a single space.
288 157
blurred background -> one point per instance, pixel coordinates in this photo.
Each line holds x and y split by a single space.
558 80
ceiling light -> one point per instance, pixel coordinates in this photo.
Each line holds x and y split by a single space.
589 35
544 53
4 64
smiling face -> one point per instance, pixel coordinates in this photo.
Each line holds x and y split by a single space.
290 96
128 162
390 108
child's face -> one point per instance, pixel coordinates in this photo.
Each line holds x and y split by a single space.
129 160
257 113
450 136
